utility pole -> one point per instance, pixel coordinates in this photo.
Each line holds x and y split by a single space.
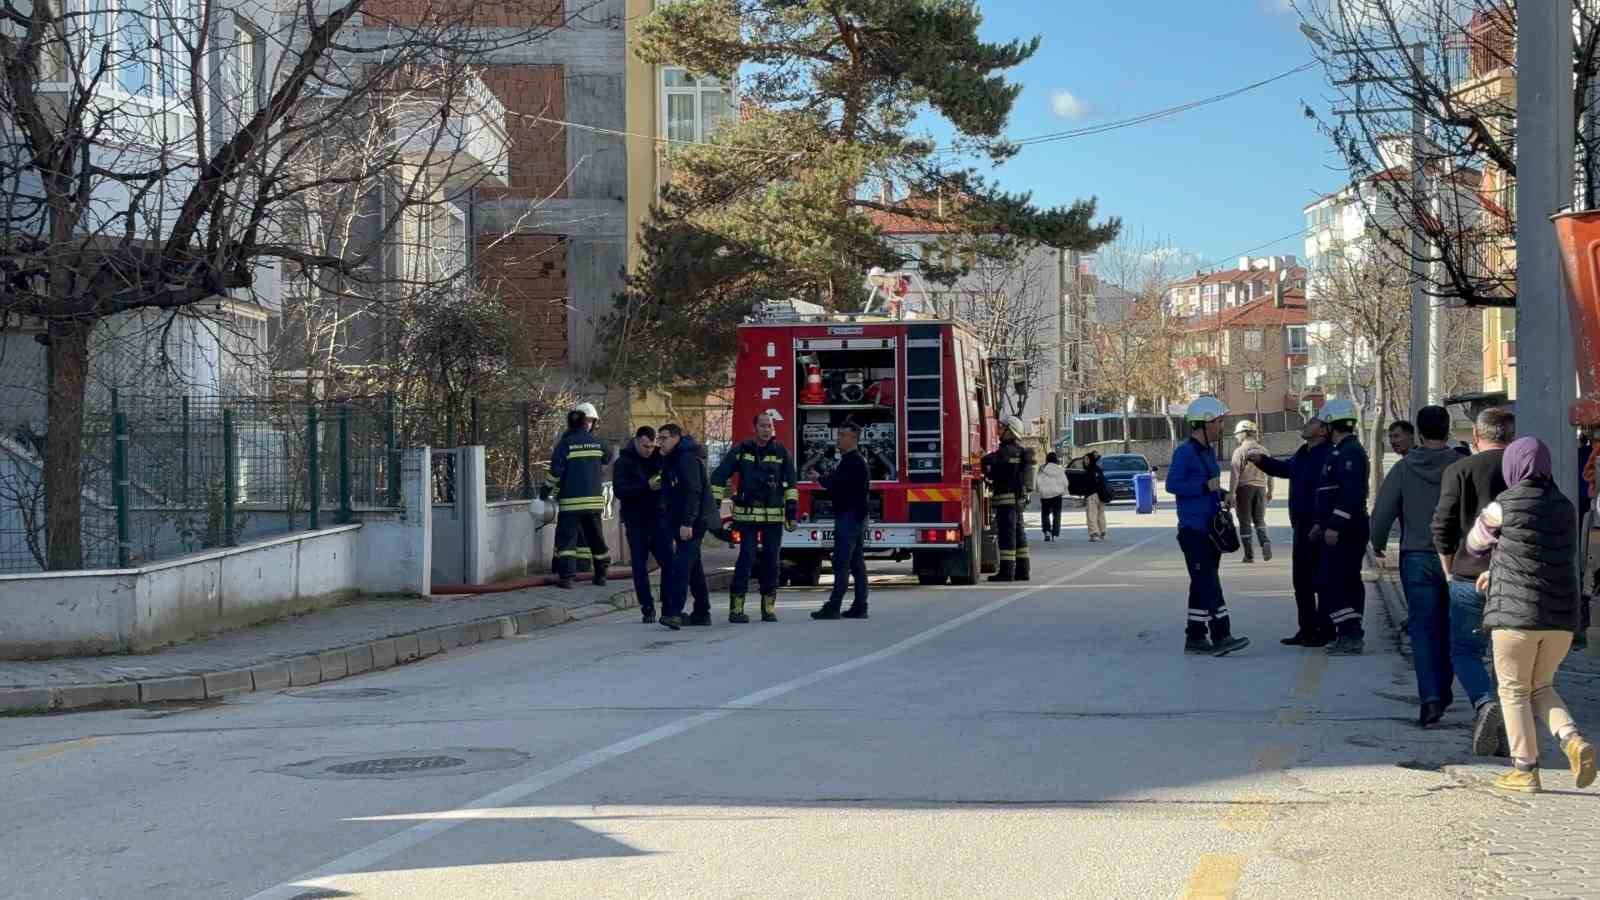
1422 367
1546 133
1435 309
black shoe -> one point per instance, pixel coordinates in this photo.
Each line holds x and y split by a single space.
700 619
599 580
564 583
1487 729
1298 639
1224 646
1348 646
649 615
856 611
1197 646
1266 551
769 608
829 612
1316 640
672 622
738 618
1432 711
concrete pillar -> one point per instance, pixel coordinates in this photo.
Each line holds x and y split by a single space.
1546 133
394 552
472 507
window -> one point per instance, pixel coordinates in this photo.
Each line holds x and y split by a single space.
691 107
245 66
1255 382
1297 339
1252 340
150 43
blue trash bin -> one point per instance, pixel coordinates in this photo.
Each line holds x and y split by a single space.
1144 493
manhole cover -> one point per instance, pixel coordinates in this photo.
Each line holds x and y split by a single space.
397 765
343 693
407 763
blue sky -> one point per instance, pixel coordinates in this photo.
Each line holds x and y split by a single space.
1214 181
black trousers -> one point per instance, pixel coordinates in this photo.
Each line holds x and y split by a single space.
644 541
1013 538
686 575
1208 611
573 527
1306 560
758 549
1050 512
1341 594
849 559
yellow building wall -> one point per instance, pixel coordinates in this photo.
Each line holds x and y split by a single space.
640 98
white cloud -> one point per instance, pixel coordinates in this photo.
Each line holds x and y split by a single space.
1066 105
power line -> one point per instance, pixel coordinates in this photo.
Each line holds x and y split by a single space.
1233 256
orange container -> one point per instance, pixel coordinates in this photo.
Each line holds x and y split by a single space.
1579 236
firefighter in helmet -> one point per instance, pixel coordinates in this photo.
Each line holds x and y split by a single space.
575 483
764 503
1343 528
1196 480
1009 472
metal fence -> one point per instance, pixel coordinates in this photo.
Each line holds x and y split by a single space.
168 476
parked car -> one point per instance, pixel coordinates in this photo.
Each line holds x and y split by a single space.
1120 469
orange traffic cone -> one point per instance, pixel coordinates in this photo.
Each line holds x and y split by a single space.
814 394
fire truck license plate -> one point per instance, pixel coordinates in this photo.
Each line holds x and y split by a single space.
827 535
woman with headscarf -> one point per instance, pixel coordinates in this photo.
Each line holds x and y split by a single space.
1531 609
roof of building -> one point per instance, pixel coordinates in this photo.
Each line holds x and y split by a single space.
1237 276
1262 313
910 222
1463 175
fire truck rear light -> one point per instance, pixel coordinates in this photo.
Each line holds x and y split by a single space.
816 535
938 536
736 537
877 535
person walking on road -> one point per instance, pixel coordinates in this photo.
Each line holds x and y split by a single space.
1531 608
1410 493
1252 491
1094 505
847 487
575 483
1304 473
1196 480
684 497
1344 529
764 503
1469 485
1009 470
636 480
1052 480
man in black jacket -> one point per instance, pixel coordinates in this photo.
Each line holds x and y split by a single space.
683 497
1468 486
764 499
636 480
847 488
1304 473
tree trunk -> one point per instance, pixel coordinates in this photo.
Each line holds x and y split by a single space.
68 355
1127 443
1375 445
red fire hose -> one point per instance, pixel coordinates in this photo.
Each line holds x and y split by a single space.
517 584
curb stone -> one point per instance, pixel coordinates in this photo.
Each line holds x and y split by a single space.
310 669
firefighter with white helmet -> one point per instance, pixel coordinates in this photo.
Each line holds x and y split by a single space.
1252 491
575 482
1343 527
1195 479
1009 472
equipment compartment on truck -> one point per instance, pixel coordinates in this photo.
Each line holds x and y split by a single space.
847 380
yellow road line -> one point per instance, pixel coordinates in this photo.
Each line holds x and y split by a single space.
1216 877
1247 814
1310 680
1274 758
58 749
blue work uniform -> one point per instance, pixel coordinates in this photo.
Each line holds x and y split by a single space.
1342 507
1194 465
1303 471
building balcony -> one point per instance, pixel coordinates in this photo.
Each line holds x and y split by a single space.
465 146
1197 362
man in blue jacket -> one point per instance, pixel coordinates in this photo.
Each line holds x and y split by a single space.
1304 473
847 487
636 480
1196 480
684 496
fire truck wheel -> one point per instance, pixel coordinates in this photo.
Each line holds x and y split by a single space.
930 569
805 571
966 563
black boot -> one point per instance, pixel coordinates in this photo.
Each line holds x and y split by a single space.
699 618
648 613
1198 646
1023 568
1266 549
829 611
564 582
1249 551
857 610
769 607
736 614
600 577
1007 572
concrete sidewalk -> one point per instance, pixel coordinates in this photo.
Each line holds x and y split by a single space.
321 646
1537 845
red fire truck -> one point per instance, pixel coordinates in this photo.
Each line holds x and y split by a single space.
918 389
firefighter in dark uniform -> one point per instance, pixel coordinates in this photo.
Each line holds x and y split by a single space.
574 482
1009 472
1343 528
765 500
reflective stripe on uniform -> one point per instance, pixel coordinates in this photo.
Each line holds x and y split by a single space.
1008 556
586 453
791 494
583 504
765 515
1341 514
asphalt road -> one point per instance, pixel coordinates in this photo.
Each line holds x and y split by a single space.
1047 739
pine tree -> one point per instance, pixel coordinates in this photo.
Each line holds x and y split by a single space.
775 205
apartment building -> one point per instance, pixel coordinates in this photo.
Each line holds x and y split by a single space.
1252 356
1207 293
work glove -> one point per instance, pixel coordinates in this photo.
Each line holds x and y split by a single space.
655 482
725 511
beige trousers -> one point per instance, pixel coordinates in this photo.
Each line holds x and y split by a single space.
1096 511
1525 664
